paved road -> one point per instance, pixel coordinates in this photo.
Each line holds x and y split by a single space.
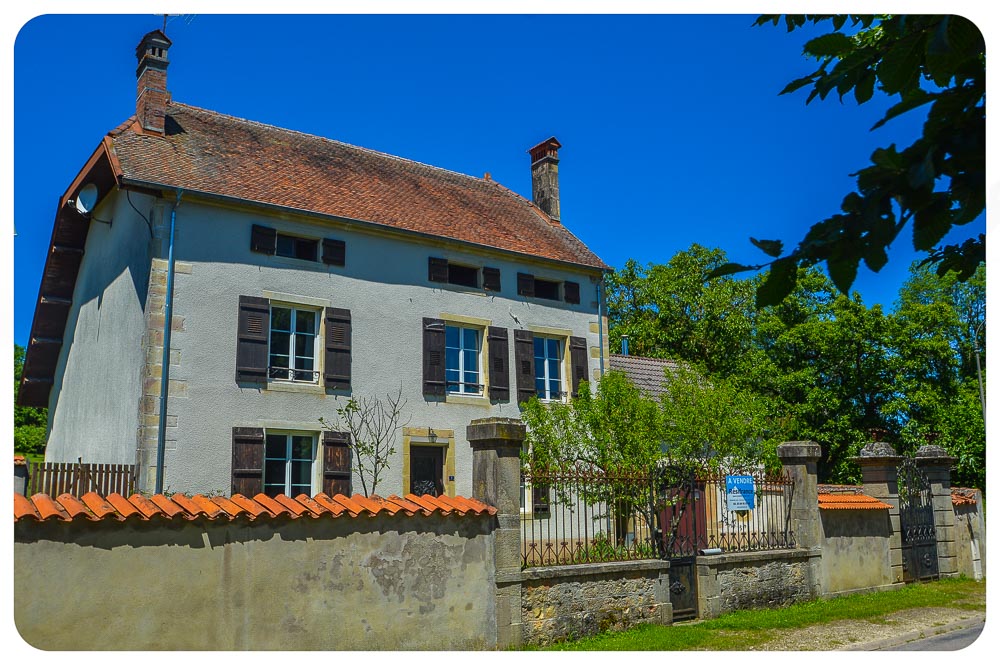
953 641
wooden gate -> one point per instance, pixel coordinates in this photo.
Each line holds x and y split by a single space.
55 478
916 522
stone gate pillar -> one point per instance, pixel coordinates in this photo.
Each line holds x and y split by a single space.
936 465
799 459
496 480
879 474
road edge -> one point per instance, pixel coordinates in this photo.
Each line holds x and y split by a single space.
887 642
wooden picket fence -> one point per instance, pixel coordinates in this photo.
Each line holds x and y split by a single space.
55 478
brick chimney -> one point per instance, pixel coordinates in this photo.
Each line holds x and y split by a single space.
545 176
152 96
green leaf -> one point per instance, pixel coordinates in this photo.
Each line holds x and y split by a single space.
900 66
876 258
778 283
729 269
769 247
798 83
888 158
838 21
842 272
865 88
930 225
922 174
914 99
832 44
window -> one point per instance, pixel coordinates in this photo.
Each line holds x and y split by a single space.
548 364
461 364
288 460
546 289
463 275
293 344
296 248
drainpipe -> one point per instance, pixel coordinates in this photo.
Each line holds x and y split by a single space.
168 310
600 319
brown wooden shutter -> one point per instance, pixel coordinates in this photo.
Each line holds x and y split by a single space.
524 364
433 357
499 361
336 463
571 290
263 239
248 461
337 358
334 252
525 284
251 339
437 269
578 362
491 279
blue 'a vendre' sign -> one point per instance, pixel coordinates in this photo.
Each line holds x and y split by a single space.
739 492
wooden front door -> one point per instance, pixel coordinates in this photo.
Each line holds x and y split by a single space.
427 470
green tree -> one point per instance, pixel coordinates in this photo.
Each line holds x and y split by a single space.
670 311
937 326
932 63
29 422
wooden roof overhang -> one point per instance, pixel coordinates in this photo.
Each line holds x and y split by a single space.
62 265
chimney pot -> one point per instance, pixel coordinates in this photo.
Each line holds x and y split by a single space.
545 176
152 96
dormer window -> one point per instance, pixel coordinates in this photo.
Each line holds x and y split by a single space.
444 271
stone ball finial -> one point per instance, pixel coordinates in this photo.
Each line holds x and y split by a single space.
878 449
931 451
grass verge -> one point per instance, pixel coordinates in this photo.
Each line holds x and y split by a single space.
743 629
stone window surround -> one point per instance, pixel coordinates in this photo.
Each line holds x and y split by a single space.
421 436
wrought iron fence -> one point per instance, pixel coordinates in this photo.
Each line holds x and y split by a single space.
734 525
583 515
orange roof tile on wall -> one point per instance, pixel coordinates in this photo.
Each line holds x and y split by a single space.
850 502
93 507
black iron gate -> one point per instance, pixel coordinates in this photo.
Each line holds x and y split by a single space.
682 525
916 522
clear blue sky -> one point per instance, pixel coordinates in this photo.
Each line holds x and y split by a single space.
673 132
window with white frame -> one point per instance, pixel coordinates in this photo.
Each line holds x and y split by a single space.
461 360
293 342
288 463
548 368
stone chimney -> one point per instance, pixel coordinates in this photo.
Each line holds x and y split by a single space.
152 96
545 176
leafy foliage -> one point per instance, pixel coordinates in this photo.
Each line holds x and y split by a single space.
937 182
818 365
29 422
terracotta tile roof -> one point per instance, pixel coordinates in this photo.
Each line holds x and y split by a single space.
963 496
221 155
19 460
850 502
93 507
647 374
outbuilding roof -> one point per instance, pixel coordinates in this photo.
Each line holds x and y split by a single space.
94 507
646 374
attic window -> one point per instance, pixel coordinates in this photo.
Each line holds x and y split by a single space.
297 248
463 275
546 289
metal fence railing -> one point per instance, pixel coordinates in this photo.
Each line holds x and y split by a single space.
586 515
579 515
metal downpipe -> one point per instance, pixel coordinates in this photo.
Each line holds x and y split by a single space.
168 310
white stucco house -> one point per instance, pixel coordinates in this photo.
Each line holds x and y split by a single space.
295 272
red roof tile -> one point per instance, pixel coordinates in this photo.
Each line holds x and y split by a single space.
92 506
963 496
208 152
850 502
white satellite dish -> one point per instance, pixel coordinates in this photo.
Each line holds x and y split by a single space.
86 199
